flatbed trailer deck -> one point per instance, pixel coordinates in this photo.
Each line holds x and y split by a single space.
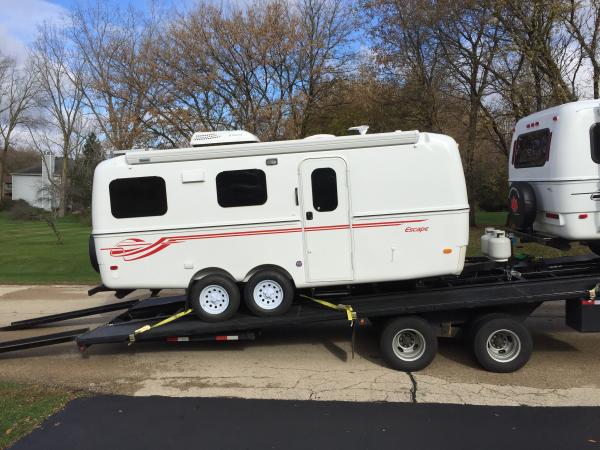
411 315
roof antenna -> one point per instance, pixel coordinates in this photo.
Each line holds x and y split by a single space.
362 129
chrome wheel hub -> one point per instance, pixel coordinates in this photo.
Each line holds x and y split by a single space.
503 346
408 344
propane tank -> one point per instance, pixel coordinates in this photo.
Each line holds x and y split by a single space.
499 246
485 239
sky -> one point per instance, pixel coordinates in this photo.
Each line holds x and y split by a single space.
19 20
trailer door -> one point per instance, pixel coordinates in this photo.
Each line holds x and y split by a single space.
326 220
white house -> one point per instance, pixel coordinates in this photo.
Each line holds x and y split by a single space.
33 185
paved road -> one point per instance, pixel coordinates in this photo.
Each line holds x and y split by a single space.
116 422
298 363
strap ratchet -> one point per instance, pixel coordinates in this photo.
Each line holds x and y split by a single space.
158 324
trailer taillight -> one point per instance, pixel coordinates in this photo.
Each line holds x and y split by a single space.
114 267
583 216
550 215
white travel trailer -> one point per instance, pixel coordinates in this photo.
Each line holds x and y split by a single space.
554 172
268 218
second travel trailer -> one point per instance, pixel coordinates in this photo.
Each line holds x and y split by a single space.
554 173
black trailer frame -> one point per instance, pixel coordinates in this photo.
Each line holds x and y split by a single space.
448 303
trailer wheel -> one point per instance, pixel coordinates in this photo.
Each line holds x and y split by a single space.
408 343
269 293
214 298
502 345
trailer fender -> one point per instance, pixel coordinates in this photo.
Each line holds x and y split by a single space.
269 267
209 271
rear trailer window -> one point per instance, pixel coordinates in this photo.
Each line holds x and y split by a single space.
138 197
241 188
532 149
595 142
324 189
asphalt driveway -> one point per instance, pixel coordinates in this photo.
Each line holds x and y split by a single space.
119 422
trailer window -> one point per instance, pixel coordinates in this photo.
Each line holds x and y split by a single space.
324 189
595 142
532 149
138 197
241 188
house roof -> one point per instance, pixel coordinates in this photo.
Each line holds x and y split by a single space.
36 169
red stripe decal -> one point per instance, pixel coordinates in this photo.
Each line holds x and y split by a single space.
132 249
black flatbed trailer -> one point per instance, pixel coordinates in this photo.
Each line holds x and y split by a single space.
485 294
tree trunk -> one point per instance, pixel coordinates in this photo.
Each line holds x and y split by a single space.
470 153
63 186
2 165
596 78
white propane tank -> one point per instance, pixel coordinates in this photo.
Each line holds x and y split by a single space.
485 239
499 246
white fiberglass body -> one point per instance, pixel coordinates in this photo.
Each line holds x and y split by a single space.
557 151
335 210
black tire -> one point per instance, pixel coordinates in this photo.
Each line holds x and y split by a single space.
415 329
281 293
510 345
594 246
477 321
224 309
522 205
93 256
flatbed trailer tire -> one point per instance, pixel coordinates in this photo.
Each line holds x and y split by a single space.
502 344
408 343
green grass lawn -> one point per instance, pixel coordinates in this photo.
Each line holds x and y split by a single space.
29 252
23 407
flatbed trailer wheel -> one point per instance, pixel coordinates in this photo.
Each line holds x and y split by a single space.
502 344
268 293
214 298
408 343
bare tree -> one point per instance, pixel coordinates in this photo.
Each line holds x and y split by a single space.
109 42
267 67
533 29
407 46
59 75
17 90
325 27
469 39
582 21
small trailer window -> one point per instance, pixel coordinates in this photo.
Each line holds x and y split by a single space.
324 189
595 142
138 197
532 149
241 188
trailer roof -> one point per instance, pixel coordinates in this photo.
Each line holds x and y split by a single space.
273 148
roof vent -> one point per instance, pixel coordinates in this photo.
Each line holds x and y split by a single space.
204 139
362 129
